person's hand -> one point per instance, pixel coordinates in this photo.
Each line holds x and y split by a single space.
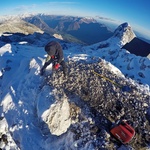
56 66
52 57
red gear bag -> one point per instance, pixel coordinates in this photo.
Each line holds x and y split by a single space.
123 132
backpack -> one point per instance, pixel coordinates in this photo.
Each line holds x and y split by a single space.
123 132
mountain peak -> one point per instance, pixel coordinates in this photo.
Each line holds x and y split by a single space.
125 24
125 33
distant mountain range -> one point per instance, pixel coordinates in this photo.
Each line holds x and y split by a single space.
18 26
81 30
87 30
75 29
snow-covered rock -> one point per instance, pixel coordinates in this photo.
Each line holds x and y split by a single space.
58 118
58 36
1 73
125 33
6 140
59 114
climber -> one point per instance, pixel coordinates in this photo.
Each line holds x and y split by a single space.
55 56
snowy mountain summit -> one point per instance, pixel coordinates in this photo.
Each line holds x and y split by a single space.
50 112
125 33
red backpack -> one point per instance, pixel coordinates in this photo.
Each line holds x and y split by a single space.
123 132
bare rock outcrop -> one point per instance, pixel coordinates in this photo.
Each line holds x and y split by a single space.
59 116
106 99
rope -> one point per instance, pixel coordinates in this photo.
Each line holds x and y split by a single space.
107 79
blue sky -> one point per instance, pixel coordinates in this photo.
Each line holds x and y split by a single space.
135 12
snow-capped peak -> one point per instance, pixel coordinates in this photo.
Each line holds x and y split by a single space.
125 33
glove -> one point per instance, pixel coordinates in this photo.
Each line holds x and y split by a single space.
52 56
56 66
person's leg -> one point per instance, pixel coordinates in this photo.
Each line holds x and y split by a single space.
64 66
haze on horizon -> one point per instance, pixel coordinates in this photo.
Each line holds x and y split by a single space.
135 12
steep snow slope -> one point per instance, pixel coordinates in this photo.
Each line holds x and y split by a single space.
26 99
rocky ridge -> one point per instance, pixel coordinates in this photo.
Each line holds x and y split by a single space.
18 26
125 33
107 102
